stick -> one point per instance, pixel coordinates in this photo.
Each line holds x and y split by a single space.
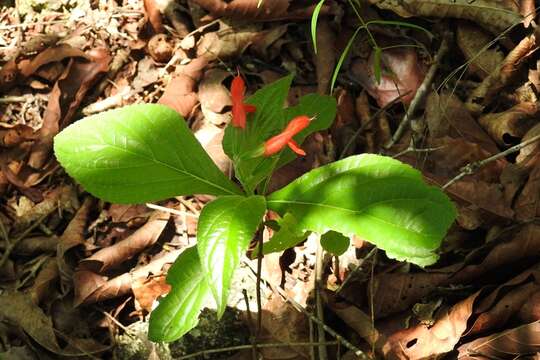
470 168
420 94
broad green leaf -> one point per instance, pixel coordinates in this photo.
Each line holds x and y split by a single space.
178 312
377 198
334 242
287 236
138 153
314 19
269 120
225 229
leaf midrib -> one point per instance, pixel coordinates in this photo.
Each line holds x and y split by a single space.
153 159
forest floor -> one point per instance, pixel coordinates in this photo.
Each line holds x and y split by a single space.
447 86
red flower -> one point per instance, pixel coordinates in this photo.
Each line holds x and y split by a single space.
285 138
239 109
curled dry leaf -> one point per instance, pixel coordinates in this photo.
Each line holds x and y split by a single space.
473 41
527 9
508 344
527 206
66 96
154 15
507 304
325 56
72 237
228 42
246 9
49 55
214 97
423 341
127 248
512 124
402 73
494 15
91 287
147 291
180 93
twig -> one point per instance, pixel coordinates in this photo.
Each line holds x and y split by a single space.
258 283
250 324
323 354
244 347
413 149
276 289
420 93
470 168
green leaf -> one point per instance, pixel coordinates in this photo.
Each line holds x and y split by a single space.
314 18
377 198
269 120
334 242
225 229
342 58
138 153
377 64
287 236
178 312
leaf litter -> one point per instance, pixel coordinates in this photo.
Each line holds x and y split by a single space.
65 254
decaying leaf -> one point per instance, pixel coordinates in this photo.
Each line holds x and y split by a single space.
493 15
214 97
508 126
508 344
422 341
141 239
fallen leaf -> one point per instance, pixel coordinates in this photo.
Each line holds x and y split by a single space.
180 92
116 254
422 341
147 291
474 42
44 281
509 344
64 100
227 42
509 126
154 15
325 57
211 138
527 206
402 73
49 55
214 97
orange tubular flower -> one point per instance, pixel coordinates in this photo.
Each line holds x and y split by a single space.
239 109
285 138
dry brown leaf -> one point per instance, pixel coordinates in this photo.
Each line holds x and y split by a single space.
72 237
527 9
504 309
473 42
508 126
147 291
44 281
531 149
62 197
228 42
91 287
446 115
325 58
214 96
422 341
52 54
64 100
180 93
116 254
494 15
402 73
509 344
246 9
286 324
527 206
154 15
211 138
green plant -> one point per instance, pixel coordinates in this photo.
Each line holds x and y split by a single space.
377 50
146 152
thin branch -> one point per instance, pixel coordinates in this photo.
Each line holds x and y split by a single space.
323 354
470 168
420 94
